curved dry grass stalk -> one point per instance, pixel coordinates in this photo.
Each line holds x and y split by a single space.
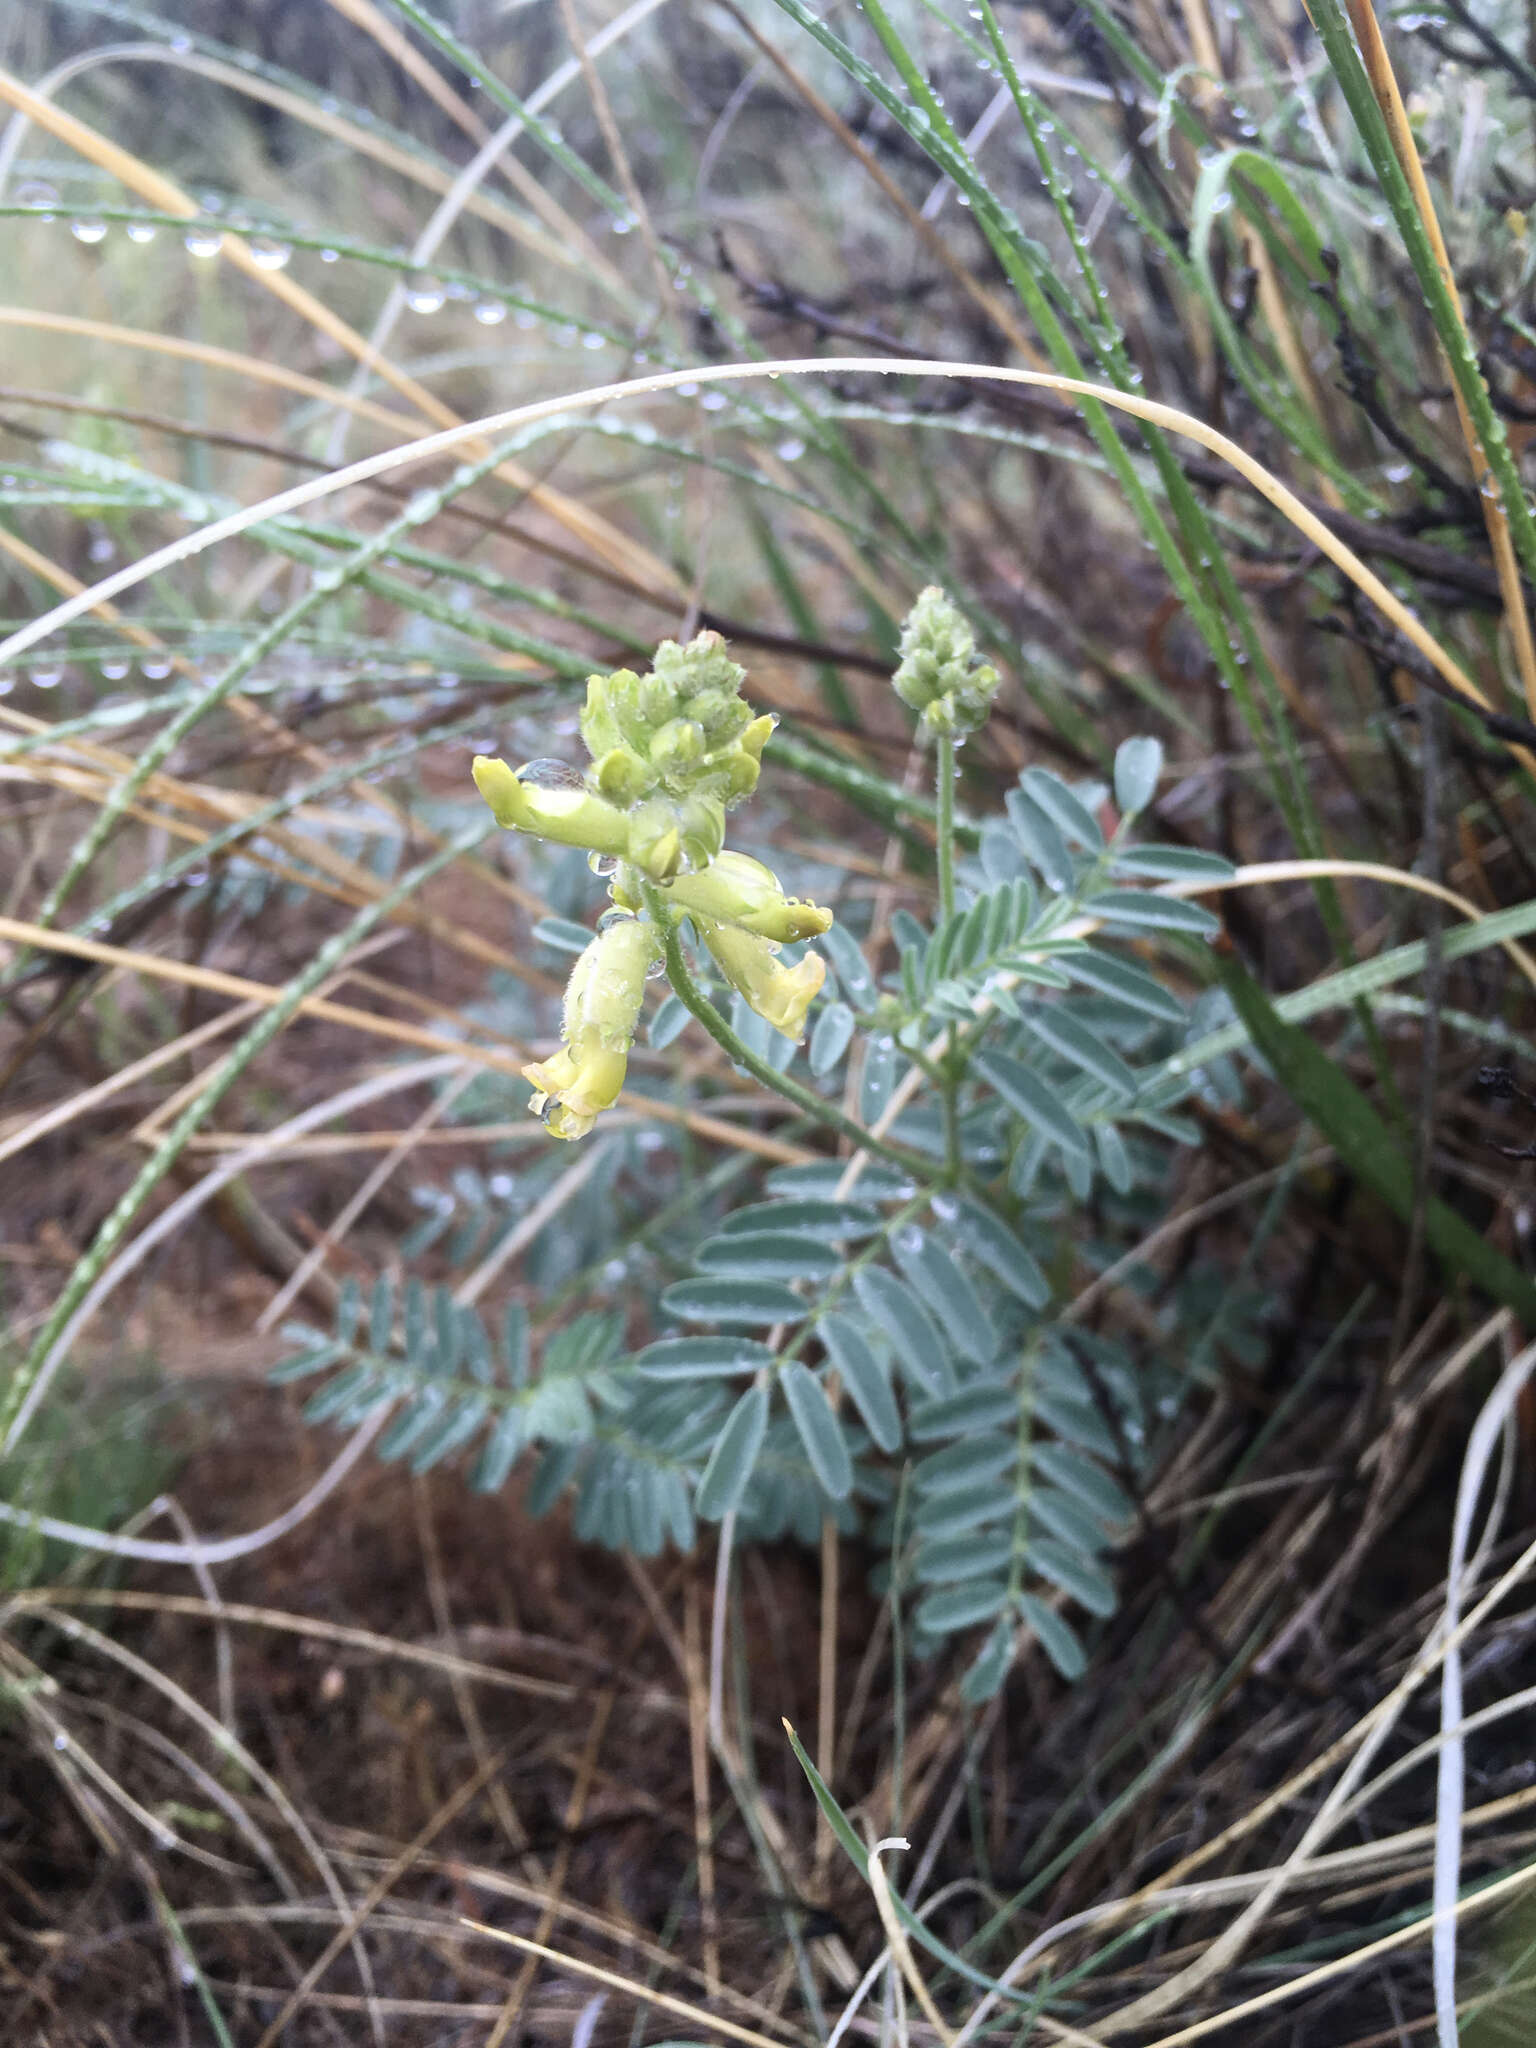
478 433
614 1980
364 142
267 994
589 528
311 1627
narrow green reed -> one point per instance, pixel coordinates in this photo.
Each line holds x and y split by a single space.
1337 38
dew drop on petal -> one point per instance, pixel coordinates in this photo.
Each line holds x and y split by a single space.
545 773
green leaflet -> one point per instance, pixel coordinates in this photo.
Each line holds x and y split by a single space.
819 1430
725 1477
865 1378
733 1304
1138 764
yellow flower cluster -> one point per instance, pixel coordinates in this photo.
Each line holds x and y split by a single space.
670 752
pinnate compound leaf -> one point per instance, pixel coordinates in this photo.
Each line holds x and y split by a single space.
819 1430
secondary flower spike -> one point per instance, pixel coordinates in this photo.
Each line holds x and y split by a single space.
939 676
602 1008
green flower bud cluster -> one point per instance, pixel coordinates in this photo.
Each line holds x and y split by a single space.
674 749
939 676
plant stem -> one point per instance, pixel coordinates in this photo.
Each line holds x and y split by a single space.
944 792
694 1000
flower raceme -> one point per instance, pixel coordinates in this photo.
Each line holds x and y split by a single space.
939 676
671 753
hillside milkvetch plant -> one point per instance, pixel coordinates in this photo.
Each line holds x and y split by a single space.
671 752
898 1298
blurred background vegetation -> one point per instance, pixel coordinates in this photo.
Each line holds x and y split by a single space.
253 1794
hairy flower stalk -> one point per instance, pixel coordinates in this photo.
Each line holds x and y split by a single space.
671 753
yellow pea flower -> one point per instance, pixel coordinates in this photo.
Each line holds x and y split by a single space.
602 1008
570 814
780 995
735 889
